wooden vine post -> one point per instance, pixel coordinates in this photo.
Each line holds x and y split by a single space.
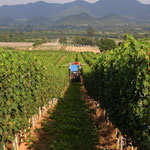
121 142
33 122
40 112
4 147
117 138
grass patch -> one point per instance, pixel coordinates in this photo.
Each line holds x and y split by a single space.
71 125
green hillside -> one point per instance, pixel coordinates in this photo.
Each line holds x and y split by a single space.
75 10
113 20
82 19
86 19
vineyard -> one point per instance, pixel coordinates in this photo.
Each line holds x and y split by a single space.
116 82
69 48
50 46
120 80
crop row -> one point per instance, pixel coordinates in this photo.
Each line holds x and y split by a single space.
89 58
25 85
120 81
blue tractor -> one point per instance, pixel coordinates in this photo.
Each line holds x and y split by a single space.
75 71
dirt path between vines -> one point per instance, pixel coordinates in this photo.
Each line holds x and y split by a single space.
37 134
62 58
107 132
28 144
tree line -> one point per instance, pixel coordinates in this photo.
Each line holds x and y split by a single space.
90 39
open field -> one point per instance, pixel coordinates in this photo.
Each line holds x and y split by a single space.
16 44
50 46
100 112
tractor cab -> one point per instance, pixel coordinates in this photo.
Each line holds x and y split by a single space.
75 72
74 68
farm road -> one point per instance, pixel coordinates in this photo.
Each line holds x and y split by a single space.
70 126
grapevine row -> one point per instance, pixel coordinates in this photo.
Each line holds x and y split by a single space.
90 60
25 85
120 81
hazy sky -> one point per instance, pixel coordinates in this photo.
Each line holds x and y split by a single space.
12 2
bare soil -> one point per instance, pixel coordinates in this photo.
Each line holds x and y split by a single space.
107 131
49 46
36 134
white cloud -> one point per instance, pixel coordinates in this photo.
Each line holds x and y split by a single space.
145 1
13 2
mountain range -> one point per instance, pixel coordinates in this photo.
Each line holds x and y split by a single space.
77 12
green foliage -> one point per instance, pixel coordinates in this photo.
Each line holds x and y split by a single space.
90 58
26 85
39 42
107 44
83 41
120 80
63 40
11 36
71 126
90 32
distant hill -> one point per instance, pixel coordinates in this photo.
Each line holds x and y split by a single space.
129 9
75 10
79 19
113 20
86 19
7 21
38 21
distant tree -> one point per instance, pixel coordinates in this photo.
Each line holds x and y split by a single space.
97 41
7 37
17 32
63 40
83 41
90 32
77 40
88 41
38 42
147 35
107 44
104 36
